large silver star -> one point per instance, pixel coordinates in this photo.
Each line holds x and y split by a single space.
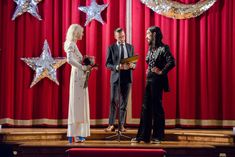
45 65
93 11
29 6
178 10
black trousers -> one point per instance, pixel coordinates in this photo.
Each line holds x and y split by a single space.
152 115
117 94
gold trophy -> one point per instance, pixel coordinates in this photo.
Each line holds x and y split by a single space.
129 60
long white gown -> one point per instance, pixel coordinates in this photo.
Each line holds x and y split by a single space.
79 111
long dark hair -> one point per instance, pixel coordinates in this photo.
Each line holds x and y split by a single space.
157 39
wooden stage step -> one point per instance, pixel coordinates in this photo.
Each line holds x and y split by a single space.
47 142
59 134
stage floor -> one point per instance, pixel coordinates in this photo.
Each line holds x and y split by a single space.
59 134
178 142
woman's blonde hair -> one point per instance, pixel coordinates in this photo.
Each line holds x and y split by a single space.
70 33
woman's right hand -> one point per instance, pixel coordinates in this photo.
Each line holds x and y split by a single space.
89 67
86 67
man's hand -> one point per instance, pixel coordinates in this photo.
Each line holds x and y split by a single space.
122 67
132 66
126 66
156 70
147 71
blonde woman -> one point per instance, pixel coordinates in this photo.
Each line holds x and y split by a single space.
79 113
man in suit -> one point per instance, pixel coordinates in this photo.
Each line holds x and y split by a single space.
122 73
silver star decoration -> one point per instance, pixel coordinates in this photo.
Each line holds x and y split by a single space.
93 11
178 10
29 6
45 65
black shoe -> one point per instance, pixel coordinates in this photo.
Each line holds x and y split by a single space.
122 129
155 141
135 140
110 128
138 140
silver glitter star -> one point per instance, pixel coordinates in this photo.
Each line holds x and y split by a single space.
45 65
178 10
93 11
29 6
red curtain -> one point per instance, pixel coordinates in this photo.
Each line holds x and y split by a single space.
47 103
202 84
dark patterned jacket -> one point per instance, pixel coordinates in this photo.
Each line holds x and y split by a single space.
162 59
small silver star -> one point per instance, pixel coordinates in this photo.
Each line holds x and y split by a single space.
29 6
45 65
93 11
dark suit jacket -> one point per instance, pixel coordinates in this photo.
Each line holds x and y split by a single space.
165 62
113 59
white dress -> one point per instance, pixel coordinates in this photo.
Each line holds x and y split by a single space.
79 112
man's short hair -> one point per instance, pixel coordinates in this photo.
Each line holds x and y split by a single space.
118 30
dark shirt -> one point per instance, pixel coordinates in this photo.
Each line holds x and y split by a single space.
152 60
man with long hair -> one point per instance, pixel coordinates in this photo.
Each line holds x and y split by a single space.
160 61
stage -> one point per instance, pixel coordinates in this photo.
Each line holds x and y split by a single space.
45 142
36 83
